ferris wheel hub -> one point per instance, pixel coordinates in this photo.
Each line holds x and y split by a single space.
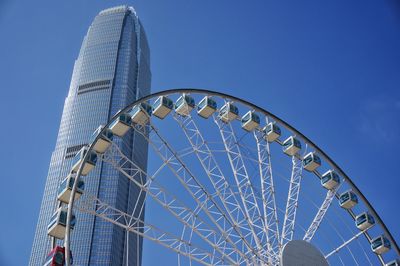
300 252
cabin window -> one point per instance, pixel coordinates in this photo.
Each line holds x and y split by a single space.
212 103
158 101
180 101
246 117
288 142
202 103
377 243
344 197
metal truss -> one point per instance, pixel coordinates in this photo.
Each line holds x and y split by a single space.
330 195
224 191
115 157
224 222
191 184
268 196
292 201
96 207
244 186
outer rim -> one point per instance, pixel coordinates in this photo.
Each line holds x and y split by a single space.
256 108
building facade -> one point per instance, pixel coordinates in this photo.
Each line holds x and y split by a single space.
111 71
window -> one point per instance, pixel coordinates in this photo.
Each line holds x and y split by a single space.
94 86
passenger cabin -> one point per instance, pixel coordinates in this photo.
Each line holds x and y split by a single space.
395 262
140 113
56 257
380 245
364 221
271 132
89 164
311 162
64 191
206 107
162 107
228 112
330 180
291 146
184 105
104 140
58 223
348 199
121 125
250 121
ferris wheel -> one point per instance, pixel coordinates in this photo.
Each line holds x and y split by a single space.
227 183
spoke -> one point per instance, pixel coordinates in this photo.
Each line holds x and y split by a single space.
330 195
244 184
268 194
217 178
292 201
344 244
191 184
115 157
96 207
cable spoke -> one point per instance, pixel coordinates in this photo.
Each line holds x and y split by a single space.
96 207
217 178
344 244
330 195
191 184
168 201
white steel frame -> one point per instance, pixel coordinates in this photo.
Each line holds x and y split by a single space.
237 228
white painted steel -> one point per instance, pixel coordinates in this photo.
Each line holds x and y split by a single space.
235 222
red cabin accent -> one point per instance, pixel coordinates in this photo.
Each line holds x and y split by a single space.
56 257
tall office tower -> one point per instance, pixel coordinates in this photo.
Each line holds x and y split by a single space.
112 70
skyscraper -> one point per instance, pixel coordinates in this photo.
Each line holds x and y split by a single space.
111 71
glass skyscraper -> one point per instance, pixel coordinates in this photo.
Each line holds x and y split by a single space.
111 71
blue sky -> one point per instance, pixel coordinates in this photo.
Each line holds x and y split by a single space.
331 69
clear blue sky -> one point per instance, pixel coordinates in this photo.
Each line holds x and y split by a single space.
329 68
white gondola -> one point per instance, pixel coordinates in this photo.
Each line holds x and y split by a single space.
162 107
89 164
206 107
271 132
121 125
380 245
140 113
64 191
348 199
395 262
291 146
228 112
58 223
250 121
364 220
330 180
184 105
104 140
311 161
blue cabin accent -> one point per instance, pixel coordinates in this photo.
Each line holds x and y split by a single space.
228 112
250 121
330 180
162 107
184 105
348 199
272 132
291 146
206 107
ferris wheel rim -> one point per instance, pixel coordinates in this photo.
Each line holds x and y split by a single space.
255 108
